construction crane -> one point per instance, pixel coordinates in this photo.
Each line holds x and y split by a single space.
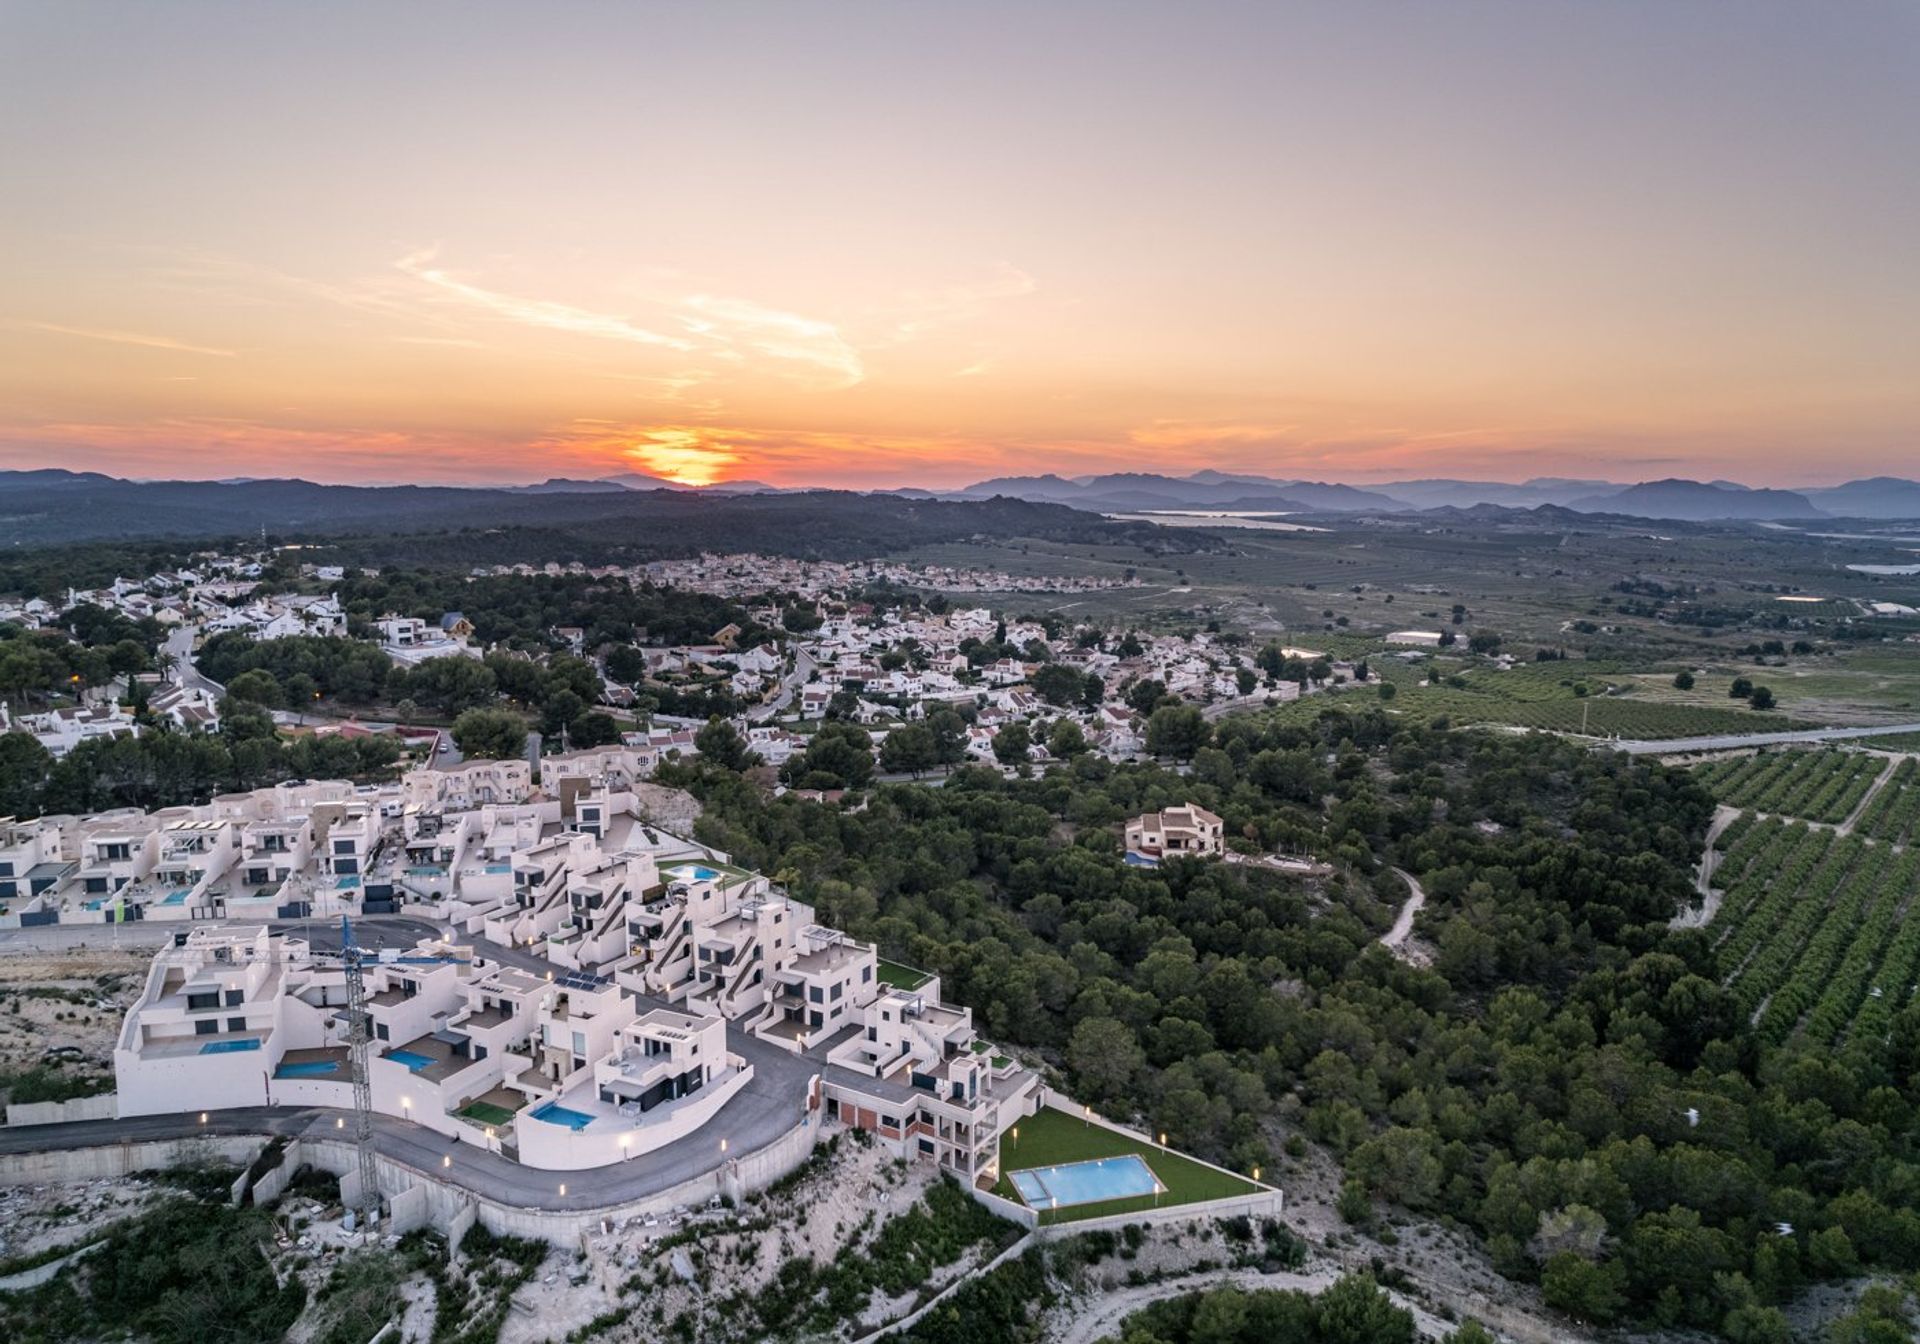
367 1203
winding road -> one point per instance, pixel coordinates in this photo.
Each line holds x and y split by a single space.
761 1113
1395 938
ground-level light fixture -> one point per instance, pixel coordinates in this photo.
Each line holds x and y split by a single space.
203 1117
563 1188
446 1159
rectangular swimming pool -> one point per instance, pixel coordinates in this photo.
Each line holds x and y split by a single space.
310 1068
693 872
556 1114
228 1047
177 897
414 1062
1085 1182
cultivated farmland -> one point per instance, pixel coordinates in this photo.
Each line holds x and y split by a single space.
1818 785
1813 935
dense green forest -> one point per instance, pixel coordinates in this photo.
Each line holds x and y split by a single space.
1569 1079
162 767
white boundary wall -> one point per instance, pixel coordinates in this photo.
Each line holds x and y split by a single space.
106 1106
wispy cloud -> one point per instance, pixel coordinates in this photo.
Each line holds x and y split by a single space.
536 312
128 338
920 311
774 333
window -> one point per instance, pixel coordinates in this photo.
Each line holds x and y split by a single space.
380 1031
814 995
866 975
343 846
236 1024
836 990
206 1026
235 997
205 999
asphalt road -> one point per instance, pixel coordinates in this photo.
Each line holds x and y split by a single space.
760 1113
1678 745
179 643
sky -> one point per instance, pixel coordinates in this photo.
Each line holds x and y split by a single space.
888 244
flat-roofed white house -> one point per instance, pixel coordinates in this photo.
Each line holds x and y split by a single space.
1188 829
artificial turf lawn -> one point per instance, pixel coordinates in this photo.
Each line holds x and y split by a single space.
902 977
486 1113
1053 1138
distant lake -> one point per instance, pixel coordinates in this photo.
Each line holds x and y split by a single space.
1885 569
1266 519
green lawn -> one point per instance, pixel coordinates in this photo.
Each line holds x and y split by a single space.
486 1113
902 977
1052 1138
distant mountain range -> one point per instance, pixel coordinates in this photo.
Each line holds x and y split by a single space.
1699 502
45 506
571 518
1680 500
1202 490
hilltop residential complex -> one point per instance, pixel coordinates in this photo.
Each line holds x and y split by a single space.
605 988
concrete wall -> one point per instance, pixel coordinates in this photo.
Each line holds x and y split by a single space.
554 1147
1005 1208
103 1107
1060 1101
39 1274
905 1322
274 1183
1266 1204
123 1159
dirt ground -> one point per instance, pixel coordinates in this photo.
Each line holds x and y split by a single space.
53 999
35 1217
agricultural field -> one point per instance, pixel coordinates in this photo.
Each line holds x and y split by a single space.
1820 785
1894 813
1518 700
1812 935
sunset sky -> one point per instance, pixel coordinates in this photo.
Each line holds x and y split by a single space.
921 244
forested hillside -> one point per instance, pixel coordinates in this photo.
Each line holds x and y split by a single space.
1569 1078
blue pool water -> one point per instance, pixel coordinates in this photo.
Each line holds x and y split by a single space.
1085 1182
698 872
499 867
414 1062
176 897
228 1047
346 884
311 1068
556 1114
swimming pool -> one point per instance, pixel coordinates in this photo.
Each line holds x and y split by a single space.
346 884
228 1047
414 1062
1085 1182
177 897
499 867
310 1068
556 1114
694 872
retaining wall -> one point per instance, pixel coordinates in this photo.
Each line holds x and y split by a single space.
1060 1101
102 1107
123 1159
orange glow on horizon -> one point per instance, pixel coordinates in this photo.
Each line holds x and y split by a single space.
1357 242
